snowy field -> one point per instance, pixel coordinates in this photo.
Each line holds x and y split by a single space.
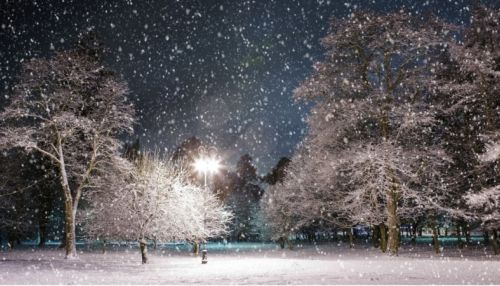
253 264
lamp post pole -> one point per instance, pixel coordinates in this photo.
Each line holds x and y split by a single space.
204 165
204 252
205 175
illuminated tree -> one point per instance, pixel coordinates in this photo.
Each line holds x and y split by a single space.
154 200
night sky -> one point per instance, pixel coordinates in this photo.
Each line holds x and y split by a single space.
223 71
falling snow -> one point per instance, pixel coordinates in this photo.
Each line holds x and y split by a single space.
301 142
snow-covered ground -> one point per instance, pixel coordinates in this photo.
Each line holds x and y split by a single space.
254 264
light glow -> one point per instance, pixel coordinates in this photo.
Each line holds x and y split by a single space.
207 165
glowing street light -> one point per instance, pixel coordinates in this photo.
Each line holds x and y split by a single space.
207 165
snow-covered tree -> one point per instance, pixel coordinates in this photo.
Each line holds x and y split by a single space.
373 133
298 200
155 200
484 204
469 79
277 174
244 200
280 219
486 207
69 108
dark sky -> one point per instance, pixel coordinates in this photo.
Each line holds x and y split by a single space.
223 71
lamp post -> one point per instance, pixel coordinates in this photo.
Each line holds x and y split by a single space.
206 164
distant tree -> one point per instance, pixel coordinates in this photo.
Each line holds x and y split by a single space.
307 196
69 108
277 209
244 199
188 150
224 184
245 169
155 200
186 153
278 172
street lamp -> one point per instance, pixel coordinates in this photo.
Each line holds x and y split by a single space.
206 165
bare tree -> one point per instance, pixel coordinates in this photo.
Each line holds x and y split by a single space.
68 108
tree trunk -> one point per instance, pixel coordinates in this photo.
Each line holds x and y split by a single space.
351 238
196 248
281 242
459 236
414 234
392 223
103 246
42 232
63 237
494 242
12 239
69 208
435 238
45 208
69 228
290 245
467 233
376 236
383 237
399 236
310 235
486 237
144 250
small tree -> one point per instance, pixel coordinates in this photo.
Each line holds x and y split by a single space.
299 200
155 200
244 199
278 215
